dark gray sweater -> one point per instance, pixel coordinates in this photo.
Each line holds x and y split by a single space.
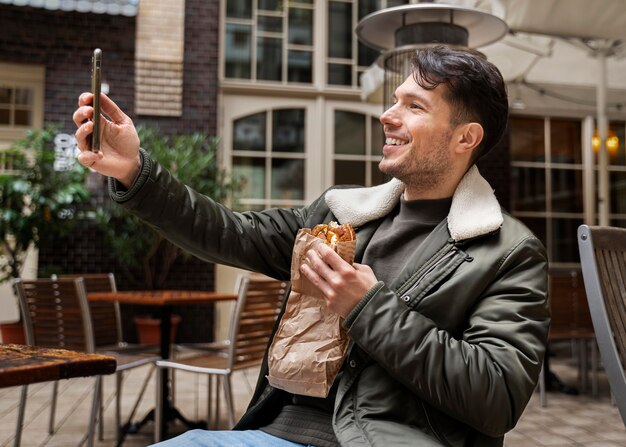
308 420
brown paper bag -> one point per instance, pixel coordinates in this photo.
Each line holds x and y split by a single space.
310 344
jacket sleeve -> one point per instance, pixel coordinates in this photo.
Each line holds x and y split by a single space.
482 376
256 241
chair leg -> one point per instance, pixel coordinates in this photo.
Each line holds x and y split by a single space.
594 368
208 400
543 398
584 366
20 416
217 401
118 405
93 417
144 386
228 392
159 408
53 406
101 411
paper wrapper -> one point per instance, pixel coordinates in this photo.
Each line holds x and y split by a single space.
310 344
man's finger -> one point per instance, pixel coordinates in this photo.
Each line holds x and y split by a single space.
82 134
85 99
111 109
82 114
88 158
330 257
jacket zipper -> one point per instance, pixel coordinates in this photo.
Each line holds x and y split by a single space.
450 251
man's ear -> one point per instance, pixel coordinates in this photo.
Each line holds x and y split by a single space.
469 137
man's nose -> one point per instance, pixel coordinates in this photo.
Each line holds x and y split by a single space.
390 117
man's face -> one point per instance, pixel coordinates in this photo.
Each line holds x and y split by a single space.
418 134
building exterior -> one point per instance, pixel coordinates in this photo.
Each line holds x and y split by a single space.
279 83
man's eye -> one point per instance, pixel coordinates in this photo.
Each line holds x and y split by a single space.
414 106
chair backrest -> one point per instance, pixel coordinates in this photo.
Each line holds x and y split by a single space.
603 260
55 313
570 317
259 301
106 318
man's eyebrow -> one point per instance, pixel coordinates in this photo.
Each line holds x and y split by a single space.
411 96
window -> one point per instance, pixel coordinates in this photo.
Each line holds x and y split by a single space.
546 174
347 58
16 106
269 40
21 100
358 142
617 174
547 180
269 155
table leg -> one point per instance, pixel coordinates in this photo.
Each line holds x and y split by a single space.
168 411
166 314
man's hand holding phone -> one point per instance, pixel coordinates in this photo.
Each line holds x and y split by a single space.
118 156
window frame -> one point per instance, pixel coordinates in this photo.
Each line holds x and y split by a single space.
26 77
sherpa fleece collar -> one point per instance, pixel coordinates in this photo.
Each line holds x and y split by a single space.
475 211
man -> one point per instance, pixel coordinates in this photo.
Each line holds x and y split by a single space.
446 302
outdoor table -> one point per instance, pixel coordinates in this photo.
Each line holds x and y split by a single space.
164 300
24 364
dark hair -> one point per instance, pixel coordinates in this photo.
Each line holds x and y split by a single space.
475 90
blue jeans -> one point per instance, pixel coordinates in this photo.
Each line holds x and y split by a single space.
227 438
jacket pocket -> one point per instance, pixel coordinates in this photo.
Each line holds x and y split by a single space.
432 275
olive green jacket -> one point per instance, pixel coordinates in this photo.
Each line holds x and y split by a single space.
447 354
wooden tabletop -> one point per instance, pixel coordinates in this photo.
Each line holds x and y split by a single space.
22 364
162 297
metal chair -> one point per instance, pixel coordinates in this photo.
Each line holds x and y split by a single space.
56 314
603 260
107 329
259 301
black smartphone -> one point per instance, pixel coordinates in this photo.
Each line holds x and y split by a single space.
96 81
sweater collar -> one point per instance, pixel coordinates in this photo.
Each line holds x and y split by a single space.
475 211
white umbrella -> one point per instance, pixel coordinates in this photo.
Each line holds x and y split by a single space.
559 52
572 44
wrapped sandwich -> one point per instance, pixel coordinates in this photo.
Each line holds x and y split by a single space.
310 344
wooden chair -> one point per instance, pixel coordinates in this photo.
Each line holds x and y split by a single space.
603 259
107 329
56 314
259 302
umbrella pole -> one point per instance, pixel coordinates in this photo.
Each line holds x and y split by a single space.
603 155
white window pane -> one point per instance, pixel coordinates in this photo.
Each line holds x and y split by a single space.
288 130
269 59
287 179
238 51
249 133
252 172
349 133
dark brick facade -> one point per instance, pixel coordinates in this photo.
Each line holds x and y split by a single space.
63 42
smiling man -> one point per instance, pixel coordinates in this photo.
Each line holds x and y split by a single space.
445 305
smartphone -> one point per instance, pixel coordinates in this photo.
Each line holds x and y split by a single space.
96 81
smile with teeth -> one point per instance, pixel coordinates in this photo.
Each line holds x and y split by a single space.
394 141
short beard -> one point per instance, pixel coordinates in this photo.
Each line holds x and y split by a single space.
426 173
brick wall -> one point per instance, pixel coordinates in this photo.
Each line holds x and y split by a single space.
159 56
63 42
199 74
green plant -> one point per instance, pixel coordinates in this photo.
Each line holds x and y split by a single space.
192 158
37 202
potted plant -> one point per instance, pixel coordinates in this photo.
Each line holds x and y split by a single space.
39 200
143 255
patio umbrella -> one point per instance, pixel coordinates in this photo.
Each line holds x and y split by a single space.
568 45
559 55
